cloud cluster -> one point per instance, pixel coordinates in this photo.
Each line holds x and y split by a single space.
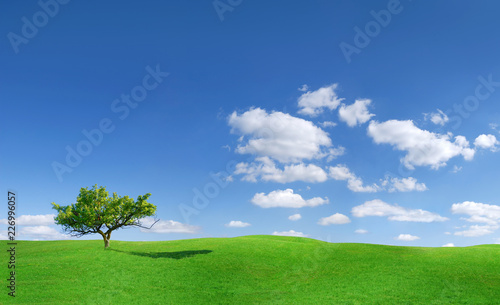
33 220
285 199
394 184
406 237
335 219
423 148
380 208
403 185
290 233
354 183
266 170
355 114
486 214
486 142
313 103
41 232
237 224
279 136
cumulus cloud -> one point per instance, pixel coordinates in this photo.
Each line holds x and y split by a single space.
265 169
354 183
279 136
33 220
295 217
486 142
423 148
237 224
486 214
42 232
313 103
477 230
361 231
448 245
290 233
285 199
406 237
355 114
335 219
168 226
479 212
380 208
438 118
403 185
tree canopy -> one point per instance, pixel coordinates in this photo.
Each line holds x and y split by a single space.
96 212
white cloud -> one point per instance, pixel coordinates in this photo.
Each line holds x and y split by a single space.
355 114
312 102
361 231
237 224
326 124
290 233
406 237
304 88
380 208
41 233
423 148
279 136
404 185
487 214
456 169
168 226
355 184
480 211
266 170
448 245
33 220
333 153
295 217
438 118
486 142
477 230
335 219
285 199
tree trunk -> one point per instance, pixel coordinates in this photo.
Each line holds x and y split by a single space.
105 236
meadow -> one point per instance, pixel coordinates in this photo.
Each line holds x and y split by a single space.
250 270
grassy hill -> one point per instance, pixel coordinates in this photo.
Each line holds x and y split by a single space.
251 270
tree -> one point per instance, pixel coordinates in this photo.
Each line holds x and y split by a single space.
96 212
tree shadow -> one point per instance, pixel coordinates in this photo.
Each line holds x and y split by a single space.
174 255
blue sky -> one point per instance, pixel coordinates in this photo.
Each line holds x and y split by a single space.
375 121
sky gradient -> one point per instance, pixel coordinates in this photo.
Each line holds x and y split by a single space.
345 121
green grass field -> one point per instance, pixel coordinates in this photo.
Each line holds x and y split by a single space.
250 270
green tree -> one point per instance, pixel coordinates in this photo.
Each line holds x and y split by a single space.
96 212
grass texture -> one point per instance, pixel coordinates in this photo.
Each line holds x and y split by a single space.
250 270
